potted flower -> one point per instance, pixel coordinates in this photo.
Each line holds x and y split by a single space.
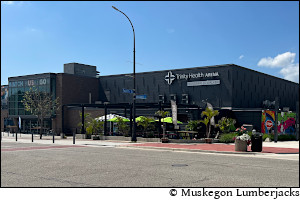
163 114
94 127
209 113
241 130
242 142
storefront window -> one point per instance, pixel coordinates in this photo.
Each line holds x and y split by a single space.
42 88
21 112
12 111
20 84
48 81
18 88
12 84
27 89
27 112
20 105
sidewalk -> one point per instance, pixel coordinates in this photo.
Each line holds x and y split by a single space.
289 147
281 147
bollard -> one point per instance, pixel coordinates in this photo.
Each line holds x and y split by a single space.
73 137
32 137
16 136
53 136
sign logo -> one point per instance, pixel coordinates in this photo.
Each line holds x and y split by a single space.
269 124
169 78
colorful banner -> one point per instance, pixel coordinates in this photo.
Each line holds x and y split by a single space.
4 94
267 121
286 122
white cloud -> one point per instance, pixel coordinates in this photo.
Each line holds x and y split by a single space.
7 2
281 60
291 72
286 61
241 56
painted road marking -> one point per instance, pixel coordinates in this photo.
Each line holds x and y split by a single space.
39 148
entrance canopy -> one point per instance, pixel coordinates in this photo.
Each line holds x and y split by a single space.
169 120
108 117
115 119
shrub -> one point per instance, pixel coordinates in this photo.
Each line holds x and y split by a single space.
249 133
228 138
265 136
286 137
226 124
192 125
280 137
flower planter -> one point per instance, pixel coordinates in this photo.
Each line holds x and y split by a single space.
208 140
102 137
96 137
164 140
87 136
240 145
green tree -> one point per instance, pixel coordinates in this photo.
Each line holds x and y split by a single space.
41 104
192 125
87 118
209 113
94 127
122 126
163 114
205 121
146 123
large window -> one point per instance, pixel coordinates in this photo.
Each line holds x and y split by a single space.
18 88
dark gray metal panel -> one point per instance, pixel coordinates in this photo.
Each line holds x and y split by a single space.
239 87
251 88
154 84
248 117
80 69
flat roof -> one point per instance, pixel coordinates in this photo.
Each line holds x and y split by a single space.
158 71
212 66
24 76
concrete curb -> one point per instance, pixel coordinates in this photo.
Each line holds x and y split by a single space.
190 150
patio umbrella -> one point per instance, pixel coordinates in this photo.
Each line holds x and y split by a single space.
169 120
140 118
108 117
115 119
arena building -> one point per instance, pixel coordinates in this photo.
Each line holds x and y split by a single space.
232 89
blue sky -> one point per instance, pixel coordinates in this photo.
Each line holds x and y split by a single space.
39 37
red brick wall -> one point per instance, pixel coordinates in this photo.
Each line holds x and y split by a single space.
72 117
4 114
73 89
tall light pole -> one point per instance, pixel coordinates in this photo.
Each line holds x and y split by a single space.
133 137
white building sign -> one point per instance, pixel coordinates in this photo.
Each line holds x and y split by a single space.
197 75
174 112
199 83
170 77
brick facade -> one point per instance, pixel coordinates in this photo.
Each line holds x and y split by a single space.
73 89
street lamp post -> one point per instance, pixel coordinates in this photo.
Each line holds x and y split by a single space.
133 137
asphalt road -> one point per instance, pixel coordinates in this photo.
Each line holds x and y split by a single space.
42 165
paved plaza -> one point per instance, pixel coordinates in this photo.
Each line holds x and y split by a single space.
100 163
